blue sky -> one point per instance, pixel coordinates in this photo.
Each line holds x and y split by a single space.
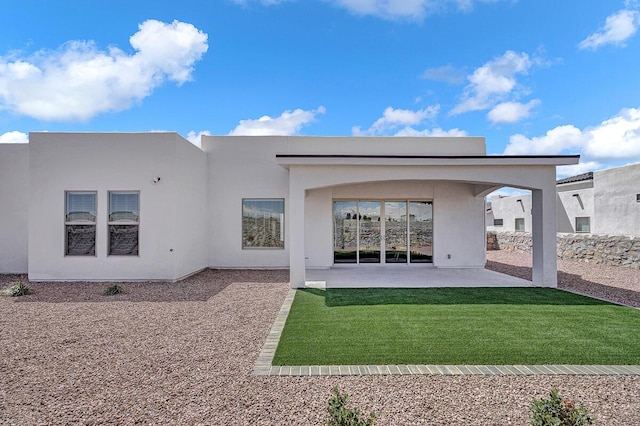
533 77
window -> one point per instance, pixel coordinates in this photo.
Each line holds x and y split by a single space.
80 223
498 222
124 222
583 224
519 224
263 223
420 231
638 198
361 228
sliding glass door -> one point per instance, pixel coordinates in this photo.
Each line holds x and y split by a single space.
345 232
421 231
395 231
361 229
369 231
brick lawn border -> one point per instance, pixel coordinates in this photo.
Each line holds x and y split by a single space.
263 366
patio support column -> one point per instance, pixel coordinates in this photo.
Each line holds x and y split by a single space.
545 264
297 262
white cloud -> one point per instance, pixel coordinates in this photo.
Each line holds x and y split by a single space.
195 138
447 73
493 82
79 81
14 137
555 141
507 191
394 118
615 138
511 112
388 9
405 9
287 123
577 169
414 10
410 131
617 29
613 141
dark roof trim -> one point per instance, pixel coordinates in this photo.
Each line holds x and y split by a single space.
421 156
577 178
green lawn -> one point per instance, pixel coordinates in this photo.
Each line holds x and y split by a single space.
456 326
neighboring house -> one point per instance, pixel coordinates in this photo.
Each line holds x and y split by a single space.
601 202
152 206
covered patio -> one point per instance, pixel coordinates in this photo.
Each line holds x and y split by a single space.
459 184
400 276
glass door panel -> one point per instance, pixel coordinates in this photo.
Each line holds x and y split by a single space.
395 232
345 232
369 222
421 231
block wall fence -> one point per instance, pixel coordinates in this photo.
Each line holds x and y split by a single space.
619 250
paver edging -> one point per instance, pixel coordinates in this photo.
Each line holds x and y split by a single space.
264 367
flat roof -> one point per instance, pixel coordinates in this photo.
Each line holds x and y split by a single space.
426 160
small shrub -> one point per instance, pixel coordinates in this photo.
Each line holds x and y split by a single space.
114 289
19 288
339 415
558 412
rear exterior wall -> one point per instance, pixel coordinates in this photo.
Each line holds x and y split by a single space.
14 208
104 162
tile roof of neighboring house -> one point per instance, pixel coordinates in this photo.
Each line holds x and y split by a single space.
578 178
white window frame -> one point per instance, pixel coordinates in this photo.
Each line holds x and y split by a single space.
122 222
77 222
523 224
496 224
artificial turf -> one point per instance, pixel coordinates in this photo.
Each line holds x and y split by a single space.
499 326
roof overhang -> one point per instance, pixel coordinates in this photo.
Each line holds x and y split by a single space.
287 160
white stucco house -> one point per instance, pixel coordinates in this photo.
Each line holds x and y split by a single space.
152 206
605 202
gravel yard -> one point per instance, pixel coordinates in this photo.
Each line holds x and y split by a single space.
183 353
612 283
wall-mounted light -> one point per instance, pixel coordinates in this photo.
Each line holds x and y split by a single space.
155 180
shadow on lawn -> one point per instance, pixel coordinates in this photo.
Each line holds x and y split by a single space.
196 288
574 283
450 296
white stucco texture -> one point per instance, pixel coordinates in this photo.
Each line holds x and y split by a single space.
172 232
14 207
191 200
616 209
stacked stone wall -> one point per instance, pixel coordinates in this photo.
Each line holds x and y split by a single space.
346 233
620 250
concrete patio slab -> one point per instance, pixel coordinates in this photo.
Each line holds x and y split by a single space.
404 276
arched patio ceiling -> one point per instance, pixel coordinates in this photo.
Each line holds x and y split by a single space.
487 173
